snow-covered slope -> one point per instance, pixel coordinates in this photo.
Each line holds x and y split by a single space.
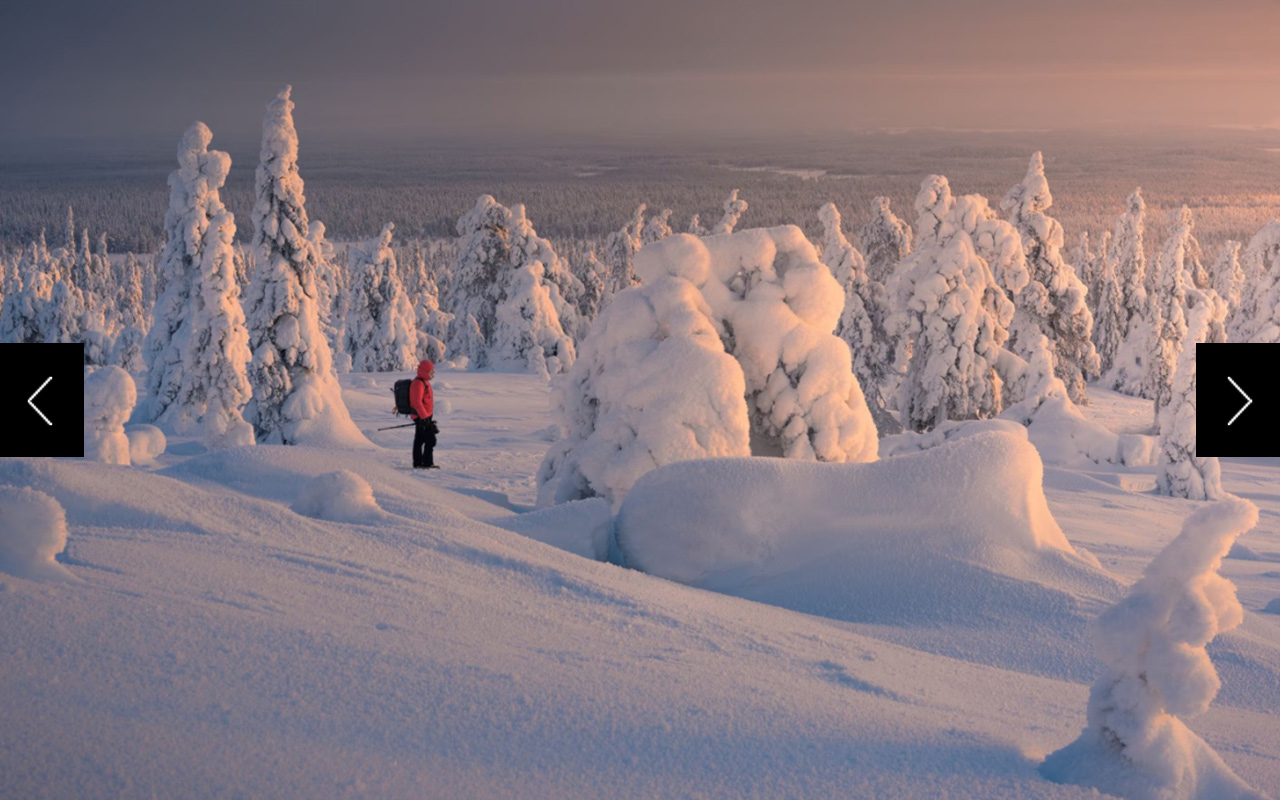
216 643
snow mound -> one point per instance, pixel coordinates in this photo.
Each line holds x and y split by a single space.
1153 643
580 527
33 529
1273 607
341 496
146 443
318 417
960 534
109 397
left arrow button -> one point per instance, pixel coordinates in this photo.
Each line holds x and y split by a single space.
31 401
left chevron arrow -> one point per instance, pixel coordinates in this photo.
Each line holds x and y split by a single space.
31 401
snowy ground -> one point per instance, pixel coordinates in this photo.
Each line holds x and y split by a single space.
218 644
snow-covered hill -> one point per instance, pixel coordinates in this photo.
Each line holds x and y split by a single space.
214 642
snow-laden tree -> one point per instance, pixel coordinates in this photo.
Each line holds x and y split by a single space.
1167 310
1060 312
696 227
330 285
620 250
1182 472
1257 318
27 296
380 333
1129 262
197 349
127 350
652 385
886 240
1226 276
109 397
1086 264
733 211
1109 321
528 333
562 286
296 396
862 323
498 253
592 274
656 227
1158 672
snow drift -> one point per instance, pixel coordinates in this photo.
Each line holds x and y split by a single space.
341 496
33 529
1153 643
959 534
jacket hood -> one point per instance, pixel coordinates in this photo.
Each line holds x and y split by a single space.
426 369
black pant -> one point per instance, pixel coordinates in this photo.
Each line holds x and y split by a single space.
424 442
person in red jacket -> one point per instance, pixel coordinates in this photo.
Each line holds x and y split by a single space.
422 401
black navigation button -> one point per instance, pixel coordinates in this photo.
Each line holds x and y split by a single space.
1237 400
43 398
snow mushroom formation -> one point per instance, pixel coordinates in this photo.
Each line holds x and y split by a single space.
109 397
340 496
1153 643
33 529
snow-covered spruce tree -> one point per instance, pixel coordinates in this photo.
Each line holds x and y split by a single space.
1129 262
953 341
592 274
1100 261
696 227
380 319
1109 321
1182 473
27 293
620 252
733 211
197 348
329 286
1257 318
1153 642
1063 317
1226 276
296 397
483 254
127 350
652 385
528 248
1085 262
528 333
656 227
886 240
1166 311
862 323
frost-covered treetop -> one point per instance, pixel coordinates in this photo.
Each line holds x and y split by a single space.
933 204
200 170
281 202
1032 195
486 213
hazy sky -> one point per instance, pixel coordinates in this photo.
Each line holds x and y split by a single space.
99 68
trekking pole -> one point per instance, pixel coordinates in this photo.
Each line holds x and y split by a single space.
393 427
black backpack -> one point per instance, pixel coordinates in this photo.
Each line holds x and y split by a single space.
401 392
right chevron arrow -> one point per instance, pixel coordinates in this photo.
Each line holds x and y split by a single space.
1248 401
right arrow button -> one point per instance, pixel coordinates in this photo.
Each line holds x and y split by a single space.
1248 401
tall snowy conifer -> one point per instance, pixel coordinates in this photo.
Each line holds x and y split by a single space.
380 334
1130 266
295 391
620 252
1063 316
1257 318
1226 276
197 348
886 239
862 323
1167 311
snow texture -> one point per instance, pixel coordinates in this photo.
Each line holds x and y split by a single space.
340 496
296 399
1153 644
109 397
33 529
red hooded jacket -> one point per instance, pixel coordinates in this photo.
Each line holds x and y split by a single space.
421 398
